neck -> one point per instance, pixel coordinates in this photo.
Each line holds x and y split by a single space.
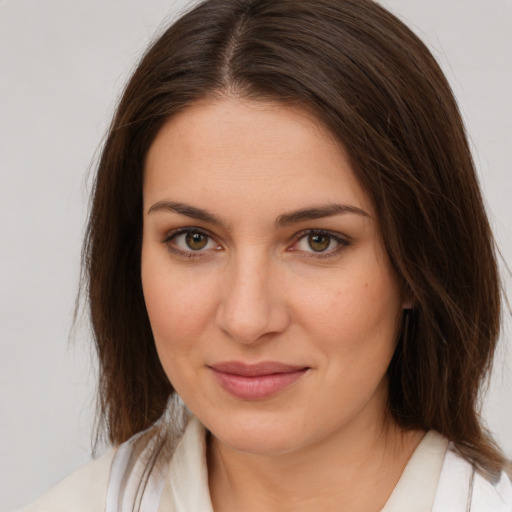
359 472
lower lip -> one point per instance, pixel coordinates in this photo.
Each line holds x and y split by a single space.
257 387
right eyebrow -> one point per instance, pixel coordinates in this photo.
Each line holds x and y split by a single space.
188 211
318 212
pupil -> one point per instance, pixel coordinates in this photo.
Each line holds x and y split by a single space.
319 242
196 241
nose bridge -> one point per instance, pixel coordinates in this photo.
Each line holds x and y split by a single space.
251 307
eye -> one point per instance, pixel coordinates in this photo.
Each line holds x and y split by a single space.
195 241
320 242
188 241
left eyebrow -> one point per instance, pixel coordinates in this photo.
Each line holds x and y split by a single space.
317 212
187 210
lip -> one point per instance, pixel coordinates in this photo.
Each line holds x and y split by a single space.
256 381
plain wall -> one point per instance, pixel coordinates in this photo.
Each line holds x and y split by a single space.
62 66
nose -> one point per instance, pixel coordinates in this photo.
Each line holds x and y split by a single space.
253 305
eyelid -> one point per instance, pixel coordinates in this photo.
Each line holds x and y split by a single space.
171 235
343 241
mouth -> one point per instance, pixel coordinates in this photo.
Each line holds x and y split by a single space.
256 381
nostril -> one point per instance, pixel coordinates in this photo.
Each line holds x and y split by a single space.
252 306
250 322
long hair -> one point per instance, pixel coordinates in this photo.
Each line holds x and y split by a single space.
380 92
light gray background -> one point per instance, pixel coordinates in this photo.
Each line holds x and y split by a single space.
62 66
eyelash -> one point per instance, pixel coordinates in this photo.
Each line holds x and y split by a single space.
191 254
340 240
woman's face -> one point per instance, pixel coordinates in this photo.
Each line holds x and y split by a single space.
273 304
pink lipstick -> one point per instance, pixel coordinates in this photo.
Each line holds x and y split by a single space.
256 381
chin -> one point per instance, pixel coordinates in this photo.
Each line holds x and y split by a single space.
258 434
259 443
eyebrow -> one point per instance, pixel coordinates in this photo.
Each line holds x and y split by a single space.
317 212
286 219
188 211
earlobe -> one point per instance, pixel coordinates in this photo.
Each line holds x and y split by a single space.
407 304
408 300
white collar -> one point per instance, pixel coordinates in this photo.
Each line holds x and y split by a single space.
188 475
416 489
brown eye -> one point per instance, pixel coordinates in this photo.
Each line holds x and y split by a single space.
190 241
196 241
319 242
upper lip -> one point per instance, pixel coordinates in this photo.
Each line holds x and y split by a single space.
255 370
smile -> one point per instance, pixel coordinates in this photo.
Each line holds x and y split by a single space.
258 381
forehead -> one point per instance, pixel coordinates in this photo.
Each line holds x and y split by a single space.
263 156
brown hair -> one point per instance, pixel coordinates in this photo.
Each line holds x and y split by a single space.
375 85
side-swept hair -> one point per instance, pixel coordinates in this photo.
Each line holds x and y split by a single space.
380 92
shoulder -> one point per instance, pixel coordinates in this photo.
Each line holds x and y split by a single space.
462 488
133 472
82 491
495 497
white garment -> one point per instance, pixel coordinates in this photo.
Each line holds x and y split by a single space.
436 479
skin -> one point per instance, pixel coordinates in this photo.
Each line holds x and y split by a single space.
260 290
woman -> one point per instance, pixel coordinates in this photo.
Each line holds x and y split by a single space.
287 232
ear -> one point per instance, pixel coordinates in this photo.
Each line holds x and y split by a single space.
407 298
408 304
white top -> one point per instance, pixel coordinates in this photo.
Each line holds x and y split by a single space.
436 479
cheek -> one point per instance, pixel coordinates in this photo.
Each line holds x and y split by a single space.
179 314
180 304
354 312
175 312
